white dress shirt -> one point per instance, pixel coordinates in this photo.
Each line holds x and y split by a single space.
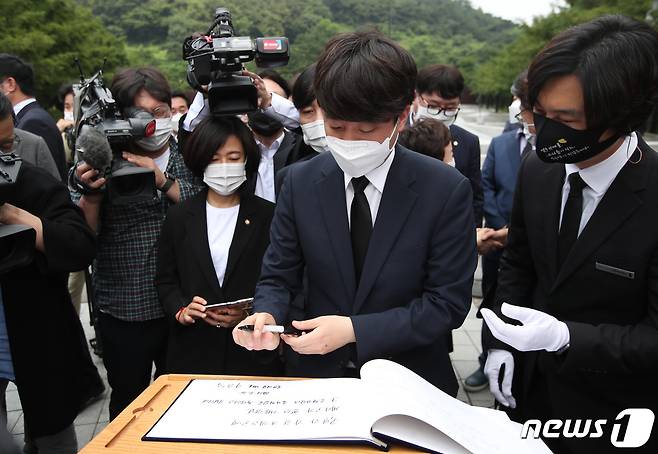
265 180
18 107
220 223
598 178
374 190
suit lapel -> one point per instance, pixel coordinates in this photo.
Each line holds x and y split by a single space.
554 177
281 156
331 191
617 205
397 202
197 226
244 228
514 154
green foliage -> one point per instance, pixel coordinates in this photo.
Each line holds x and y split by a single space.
50 34
493 78
447 31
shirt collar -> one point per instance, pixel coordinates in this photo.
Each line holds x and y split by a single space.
600 176
377 176
18 107
273 148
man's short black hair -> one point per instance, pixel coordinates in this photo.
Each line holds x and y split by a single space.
128 82
364 76
22 72
446 80
181 94
6 109
210 135
303 94
427 136
64 90
278 78
615 58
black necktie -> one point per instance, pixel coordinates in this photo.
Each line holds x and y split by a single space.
527 149
573 211
361 227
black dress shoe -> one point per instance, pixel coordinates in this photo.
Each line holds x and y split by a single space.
477 381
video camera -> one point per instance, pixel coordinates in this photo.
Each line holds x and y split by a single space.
16 241
217 59
101 133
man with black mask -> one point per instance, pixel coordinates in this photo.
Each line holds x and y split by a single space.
580 271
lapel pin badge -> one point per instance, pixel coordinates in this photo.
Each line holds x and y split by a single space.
455 143
247 221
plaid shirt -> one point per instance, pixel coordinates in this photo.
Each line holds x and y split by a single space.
124 270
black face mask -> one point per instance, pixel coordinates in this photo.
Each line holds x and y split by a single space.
263 125
558 143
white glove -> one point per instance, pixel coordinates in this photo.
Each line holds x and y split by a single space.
495 359
540 331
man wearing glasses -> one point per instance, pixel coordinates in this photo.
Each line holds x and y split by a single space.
31 148
132 326
438 92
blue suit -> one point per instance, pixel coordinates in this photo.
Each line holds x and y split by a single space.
417 277
499 172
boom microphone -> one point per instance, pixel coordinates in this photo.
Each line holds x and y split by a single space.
94 149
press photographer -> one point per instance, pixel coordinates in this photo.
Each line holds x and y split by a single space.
131 323
43 237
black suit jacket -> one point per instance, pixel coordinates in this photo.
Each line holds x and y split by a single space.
466 151
418 272
53 369
185 269
612 316
284 156
35 119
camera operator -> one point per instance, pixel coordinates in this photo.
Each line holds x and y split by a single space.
132 326
37 319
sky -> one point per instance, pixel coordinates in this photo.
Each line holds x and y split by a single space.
517 10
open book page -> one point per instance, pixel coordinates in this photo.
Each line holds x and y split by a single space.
214 410
479 430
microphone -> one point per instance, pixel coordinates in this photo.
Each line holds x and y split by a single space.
94 149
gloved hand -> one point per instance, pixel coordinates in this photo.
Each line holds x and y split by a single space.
540 331
496 359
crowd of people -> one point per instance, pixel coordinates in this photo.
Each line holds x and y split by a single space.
351 207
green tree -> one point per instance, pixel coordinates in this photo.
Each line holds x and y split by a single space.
50 34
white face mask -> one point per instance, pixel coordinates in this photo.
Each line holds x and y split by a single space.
314 135
514 109
447 117
225 178
175 118
68 115
159 138
358 157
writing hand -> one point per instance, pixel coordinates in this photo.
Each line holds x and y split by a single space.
256 340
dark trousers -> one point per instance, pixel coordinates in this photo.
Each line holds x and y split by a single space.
129 351
490 265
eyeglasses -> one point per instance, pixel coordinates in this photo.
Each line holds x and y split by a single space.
10 145
448 111
161 112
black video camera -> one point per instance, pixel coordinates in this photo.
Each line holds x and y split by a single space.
94 107
217 59
16 241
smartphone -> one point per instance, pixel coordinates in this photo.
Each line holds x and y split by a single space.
244 304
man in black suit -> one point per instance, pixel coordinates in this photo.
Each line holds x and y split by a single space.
17 83
384 235
580 271
438 92
39 321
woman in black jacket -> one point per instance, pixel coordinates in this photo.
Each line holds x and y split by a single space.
210 251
